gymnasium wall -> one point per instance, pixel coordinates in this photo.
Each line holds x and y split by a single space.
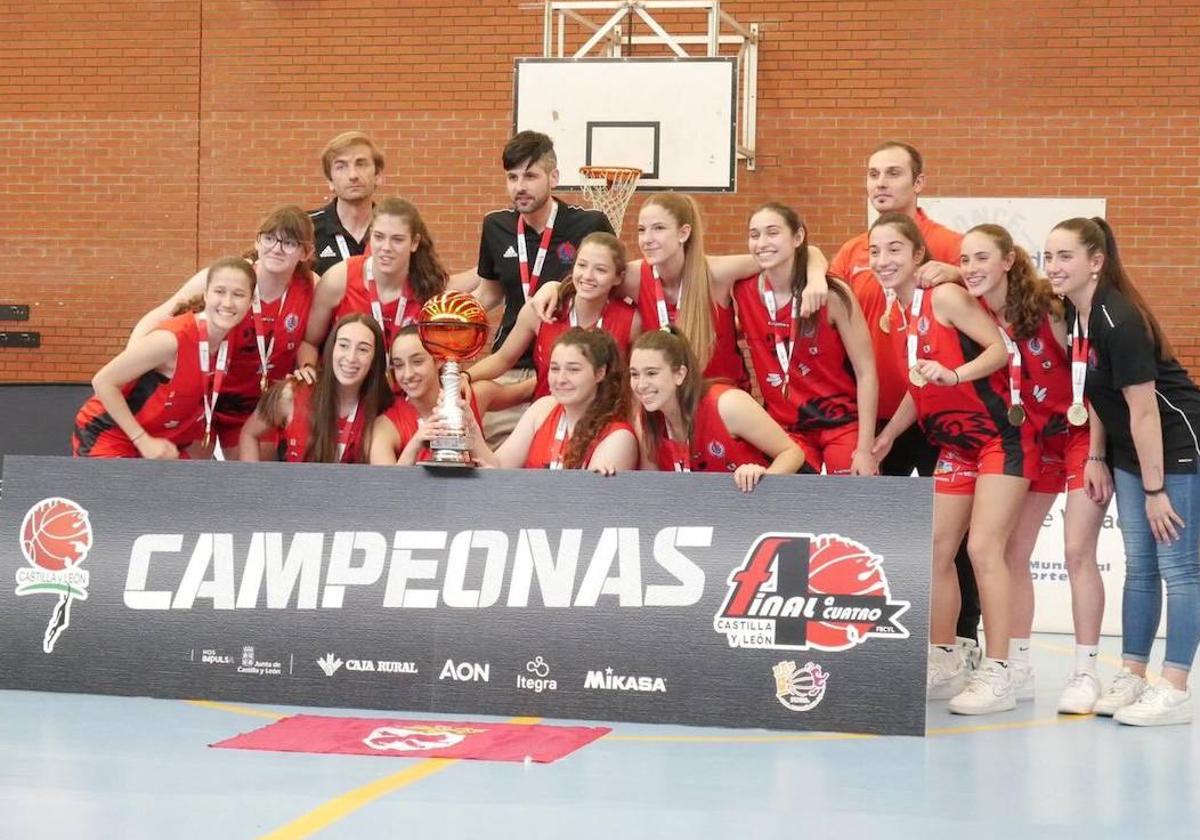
140 140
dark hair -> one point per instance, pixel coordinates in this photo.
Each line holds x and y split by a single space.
374 395
678 354
344 141
906 227
611 399
566 295
426 274
239 264
795 224
916 161
1097 237
527 148
1029 298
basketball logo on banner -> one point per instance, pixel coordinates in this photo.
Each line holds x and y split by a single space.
56 537
805 591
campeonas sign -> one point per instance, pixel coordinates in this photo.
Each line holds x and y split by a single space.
56 537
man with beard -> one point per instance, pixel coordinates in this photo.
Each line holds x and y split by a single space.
532 242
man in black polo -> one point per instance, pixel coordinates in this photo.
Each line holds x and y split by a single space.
520 247
354 168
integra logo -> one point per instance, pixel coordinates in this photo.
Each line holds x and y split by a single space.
608 681
802 592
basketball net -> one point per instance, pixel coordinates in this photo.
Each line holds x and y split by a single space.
609 189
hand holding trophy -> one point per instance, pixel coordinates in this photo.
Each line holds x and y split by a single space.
453 328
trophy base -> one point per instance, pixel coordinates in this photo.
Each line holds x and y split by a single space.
449 459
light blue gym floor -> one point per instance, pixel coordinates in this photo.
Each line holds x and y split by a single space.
83 766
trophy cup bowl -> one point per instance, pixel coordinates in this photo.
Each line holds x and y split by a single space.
453 328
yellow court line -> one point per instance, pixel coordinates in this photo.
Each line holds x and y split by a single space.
1008 725
1064 649
237 710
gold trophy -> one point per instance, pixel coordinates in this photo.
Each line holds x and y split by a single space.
453 328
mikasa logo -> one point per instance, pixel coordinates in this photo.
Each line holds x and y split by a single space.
609 681
415 569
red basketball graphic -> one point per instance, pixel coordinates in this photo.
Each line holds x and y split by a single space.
56 534
838 566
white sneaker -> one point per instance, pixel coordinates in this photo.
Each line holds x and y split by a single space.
1021 674
1080 695
988 690
1125 689
945 676
1159 705
969 650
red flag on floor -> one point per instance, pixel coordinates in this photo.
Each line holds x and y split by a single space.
417 738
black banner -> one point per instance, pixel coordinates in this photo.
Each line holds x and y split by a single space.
652 597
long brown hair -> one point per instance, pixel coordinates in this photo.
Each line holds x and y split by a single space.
374 395
795 224
1029 298
566 296
678 354
196 303
611 401
695 303
290 220
1097 237
426 274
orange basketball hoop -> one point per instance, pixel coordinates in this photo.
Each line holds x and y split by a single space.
609 189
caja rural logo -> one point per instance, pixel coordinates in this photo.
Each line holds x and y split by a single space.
56 537
809 592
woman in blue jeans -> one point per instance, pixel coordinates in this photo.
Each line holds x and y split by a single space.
1150 410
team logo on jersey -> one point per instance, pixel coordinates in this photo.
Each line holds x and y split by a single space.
510 254
566 252
808 328
716 449
1040 392
327 251
1035 346
809 592
800 688
922 325
56 537
292 322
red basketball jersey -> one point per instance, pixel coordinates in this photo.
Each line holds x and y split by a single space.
617 321
712 448
821 389
542 448
295 434
358 299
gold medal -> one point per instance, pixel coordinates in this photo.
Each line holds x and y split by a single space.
917 378
1077 414
1016 414
262 383
884 326
207 439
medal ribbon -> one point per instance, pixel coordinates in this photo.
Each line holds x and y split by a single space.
559 444
599 325
343 249
914 315
660 300
1014 369
212 383
265 349
529 283
346 433
682 464
1077 341
784 347
398 319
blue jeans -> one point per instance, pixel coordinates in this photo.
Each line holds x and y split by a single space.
1148 565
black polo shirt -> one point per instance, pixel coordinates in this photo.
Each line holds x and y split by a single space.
498 255
1121 354
332 238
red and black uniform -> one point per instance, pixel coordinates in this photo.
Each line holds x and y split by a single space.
295 434
713 448
169 408
284 322
405 418
969 421
1046 395
817 401
726 361
544 449
617 321
358 299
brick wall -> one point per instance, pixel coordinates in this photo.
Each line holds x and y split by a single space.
140 140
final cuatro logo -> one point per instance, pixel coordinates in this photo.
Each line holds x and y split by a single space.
809 592
56 537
